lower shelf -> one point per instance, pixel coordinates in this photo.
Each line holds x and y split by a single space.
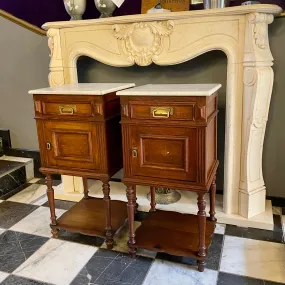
172 233
88 217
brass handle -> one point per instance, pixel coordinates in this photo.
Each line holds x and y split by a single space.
49 146
161 112
67 109
135 152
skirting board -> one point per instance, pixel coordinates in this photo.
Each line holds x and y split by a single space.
187 204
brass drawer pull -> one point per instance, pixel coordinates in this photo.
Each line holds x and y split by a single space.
135 152
161 112
67 109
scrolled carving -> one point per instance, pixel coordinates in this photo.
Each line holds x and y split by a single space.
260 31
143 42
250 76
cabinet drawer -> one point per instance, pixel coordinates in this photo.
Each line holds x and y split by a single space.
176 111
67 109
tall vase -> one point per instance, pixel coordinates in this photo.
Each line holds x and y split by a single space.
75 8
105 7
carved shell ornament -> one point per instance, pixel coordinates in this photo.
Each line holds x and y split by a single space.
143 42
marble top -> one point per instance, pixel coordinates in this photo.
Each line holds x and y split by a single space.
172 90
83 89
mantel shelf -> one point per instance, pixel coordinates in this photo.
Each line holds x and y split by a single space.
230 11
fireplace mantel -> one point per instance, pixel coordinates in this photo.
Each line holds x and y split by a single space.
172 38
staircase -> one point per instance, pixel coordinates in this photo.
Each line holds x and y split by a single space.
14 173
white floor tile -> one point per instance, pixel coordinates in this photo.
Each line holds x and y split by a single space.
34 194
254 258
220 229
165 272
56 262
3 275
37 222
34 180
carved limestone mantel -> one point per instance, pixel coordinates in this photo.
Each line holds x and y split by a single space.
172 38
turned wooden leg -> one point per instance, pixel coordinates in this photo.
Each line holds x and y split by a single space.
108 228
152 199
131 195
202 230
137 205
85 187
201 265
213 200
50 195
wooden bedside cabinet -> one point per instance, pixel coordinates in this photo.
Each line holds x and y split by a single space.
80 135
169 140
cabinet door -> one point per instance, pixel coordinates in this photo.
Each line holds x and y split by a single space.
71 145
164 152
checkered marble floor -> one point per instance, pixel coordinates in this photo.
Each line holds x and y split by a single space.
29 256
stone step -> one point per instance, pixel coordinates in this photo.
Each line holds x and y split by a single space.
14 172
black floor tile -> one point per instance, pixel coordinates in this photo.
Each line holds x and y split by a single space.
110 267
257 234
59 204
231 279
140 216
16 247
54 182
15 280
213 259
12 180
12 212
79 238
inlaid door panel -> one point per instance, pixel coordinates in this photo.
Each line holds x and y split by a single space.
71 144
164 152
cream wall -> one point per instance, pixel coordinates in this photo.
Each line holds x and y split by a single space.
24 65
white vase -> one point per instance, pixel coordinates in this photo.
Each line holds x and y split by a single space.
75 8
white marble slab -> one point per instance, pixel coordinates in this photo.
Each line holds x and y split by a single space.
34 194
3 275
254 258
83 89
56 262
37 222
172 90
277 210
165 272
34 180
18 159
220 229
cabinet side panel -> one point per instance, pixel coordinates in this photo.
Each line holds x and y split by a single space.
114 145
42 144
211 145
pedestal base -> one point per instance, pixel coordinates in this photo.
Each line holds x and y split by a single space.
251 204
